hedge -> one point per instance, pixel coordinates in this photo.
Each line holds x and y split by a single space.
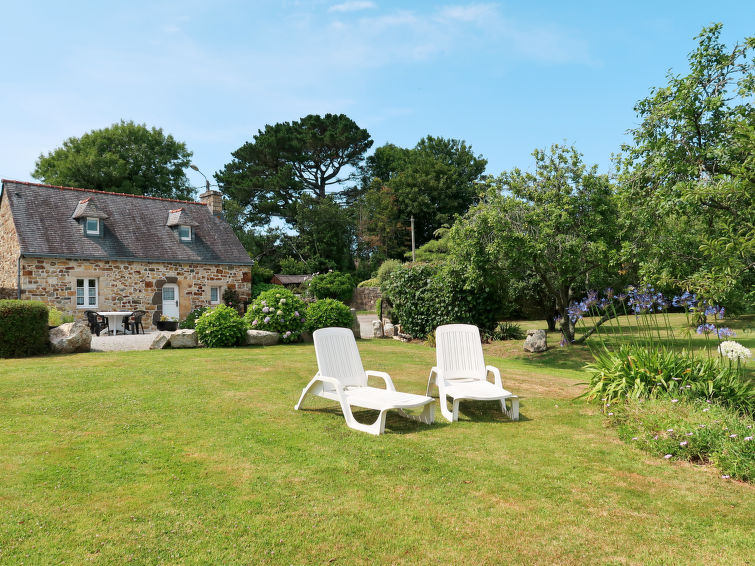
23 329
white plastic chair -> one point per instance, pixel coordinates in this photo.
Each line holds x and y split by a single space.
461 372
342 378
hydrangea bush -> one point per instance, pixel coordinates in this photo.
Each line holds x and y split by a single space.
277 310
220 327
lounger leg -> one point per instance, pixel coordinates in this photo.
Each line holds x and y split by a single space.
315 382
427 416
448 415
377 428
456 410
431 381
513 413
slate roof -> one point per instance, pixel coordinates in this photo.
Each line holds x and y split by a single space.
134 226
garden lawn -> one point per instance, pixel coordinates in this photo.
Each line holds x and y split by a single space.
197 456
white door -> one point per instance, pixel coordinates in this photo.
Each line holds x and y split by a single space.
170 301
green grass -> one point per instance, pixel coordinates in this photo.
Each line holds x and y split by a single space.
197 457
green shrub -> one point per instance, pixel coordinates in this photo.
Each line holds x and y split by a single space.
386 268
23 328
695 431
220 327
425 296
326 313
332 285
635 372
374 282
261 274
56 318
506 331
191 319
277 310
258 288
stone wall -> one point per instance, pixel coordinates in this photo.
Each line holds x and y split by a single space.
8 247
129 285
8 293
365 298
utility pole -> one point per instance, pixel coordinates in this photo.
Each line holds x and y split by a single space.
412 237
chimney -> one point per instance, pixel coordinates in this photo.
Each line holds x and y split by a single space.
214 201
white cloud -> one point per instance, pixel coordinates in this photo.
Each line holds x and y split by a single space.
352 6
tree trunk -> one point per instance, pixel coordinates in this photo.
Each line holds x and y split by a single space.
551 320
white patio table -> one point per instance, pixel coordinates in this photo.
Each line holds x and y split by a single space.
115 319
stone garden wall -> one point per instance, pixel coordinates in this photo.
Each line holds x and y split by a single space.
364 298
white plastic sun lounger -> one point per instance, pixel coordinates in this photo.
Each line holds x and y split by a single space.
342 378
461 372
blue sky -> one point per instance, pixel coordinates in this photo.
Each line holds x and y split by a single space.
506 77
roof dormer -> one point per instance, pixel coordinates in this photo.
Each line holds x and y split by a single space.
89 216
180 220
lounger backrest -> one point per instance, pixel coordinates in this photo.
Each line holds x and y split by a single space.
458 352
338 356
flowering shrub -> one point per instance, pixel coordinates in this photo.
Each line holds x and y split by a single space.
327 313
277 310
220 327
693 431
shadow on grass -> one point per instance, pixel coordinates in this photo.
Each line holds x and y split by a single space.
394 422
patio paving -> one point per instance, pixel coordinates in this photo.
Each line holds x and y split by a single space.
122 342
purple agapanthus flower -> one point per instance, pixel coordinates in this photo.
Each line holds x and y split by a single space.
706 328
725 332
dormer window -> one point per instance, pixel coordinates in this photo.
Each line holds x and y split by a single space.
93 226
184 233
89 217
180 221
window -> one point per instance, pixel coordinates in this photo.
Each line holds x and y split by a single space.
184 233
214 295
86 292
93 226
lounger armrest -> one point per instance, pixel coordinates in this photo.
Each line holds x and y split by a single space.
332 380
496 374
384 376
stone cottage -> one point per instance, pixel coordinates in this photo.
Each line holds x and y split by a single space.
80 249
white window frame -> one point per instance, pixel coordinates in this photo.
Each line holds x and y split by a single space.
95 232
86 291
216 301
181 236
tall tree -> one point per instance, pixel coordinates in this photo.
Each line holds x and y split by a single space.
558 224
435 181
688 179
125 158
269 175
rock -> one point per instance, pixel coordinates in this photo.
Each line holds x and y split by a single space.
306 337
536 341
377 329
184 338
262 338
388 330
355 327
160 341
71 337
